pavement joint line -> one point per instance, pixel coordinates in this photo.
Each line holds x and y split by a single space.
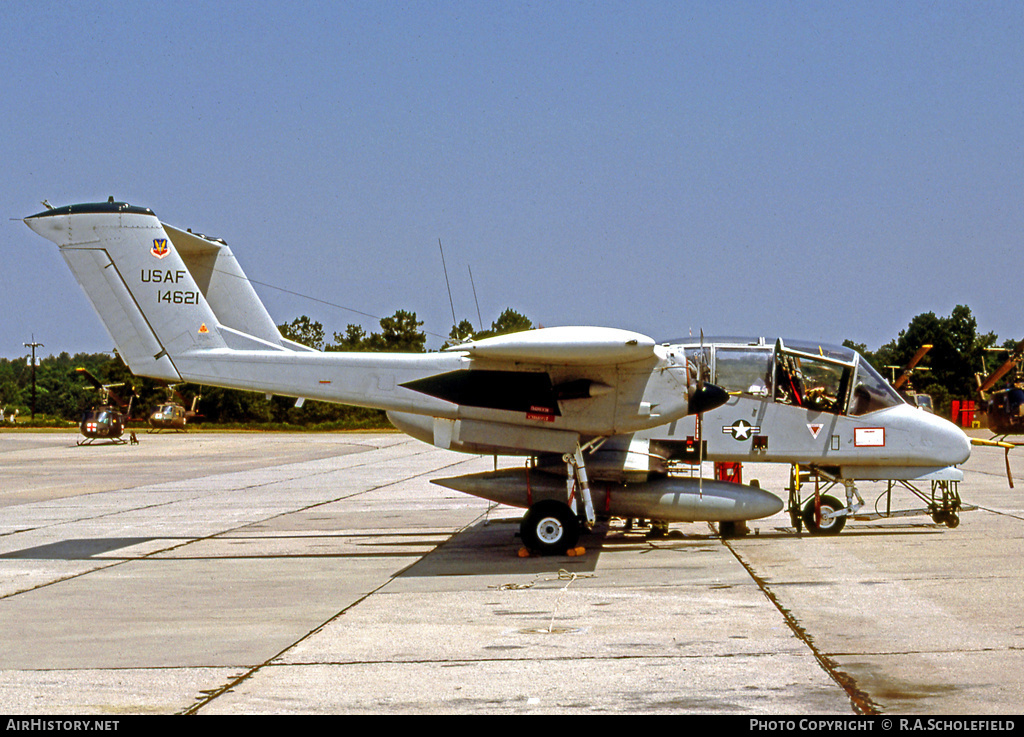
538 659
64 579
212 694
1001 513
937 622
859 700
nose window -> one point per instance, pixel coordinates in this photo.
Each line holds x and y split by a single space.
871 392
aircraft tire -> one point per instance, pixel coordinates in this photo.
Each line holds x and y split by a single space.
826 527
549 527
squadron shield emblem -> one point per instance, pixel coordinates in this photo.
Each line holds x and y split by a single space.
160 247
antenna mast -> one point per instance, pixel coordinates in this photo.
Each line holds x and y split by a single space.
479 319
455 323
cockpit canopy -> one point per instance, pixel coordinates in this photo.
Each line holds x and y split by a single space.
101 417
819 377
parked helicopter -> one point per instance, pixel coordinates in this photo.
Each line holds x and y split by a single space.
574 399
1004 408
171 415
108 420
903 385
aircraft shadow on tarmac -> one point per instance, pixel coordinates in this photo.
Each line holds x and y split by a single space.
486 547
491 548
76 549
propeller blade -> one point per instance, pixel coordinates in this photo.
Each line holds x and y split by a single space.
911 365
996 375
89 377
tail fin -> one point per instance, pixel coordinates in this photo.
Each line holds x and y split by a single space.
160 292
244 321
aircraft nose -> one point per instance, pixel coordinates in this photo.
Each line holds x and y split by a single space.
949 442
920 438
962 445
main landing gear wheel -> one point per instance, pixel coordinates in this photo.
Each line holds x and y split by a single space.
820 525
550 527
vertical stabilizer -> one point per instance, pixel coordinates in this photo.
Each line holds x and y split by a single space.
138 283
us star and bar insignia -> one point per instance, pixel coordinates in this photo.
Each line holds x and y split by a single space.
741 430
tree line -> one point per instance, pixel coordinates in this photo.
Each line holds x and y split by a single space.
959 354
947 372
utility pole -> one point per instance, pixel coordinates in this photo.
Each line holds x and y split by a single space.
33 345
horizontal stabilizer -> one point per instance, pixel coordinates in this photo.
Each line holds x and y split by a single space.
226 288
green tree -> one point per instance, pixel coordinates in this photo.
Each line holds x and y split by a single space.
957 354
508 321
232 405
399 333
463 331
354 339
861 348
10 394
305 331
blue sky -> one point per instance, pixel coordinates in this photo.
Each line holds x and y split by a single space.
815 170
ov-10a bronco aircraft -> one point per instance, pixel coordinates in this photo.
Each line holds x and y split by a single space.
575 399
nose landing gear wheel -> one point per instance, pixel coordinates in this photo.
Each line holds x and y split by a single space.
949 519
550 528
818 524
